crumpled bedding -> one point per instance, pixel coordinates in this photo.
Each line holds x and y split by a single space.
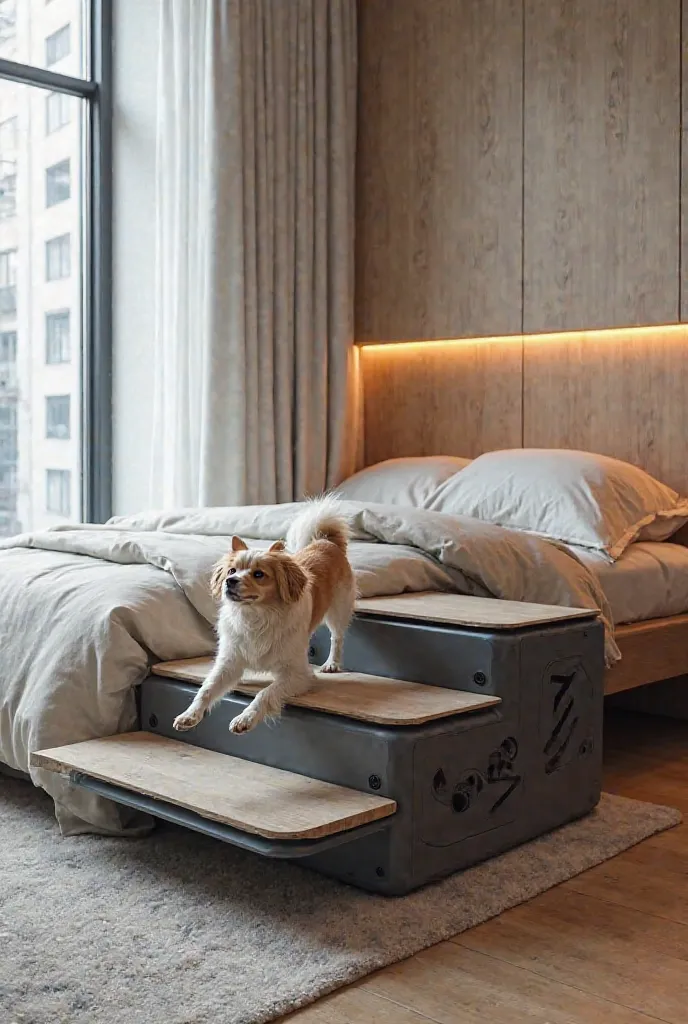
87 609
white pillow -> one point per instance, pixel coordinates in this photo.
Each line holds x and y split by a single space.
410 481
579 498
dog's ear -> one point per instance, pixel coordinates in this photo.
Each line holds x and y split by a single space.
218 577
290 579
277 546
238 544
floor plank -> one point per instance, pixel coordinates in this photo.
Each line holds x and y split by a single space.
610 945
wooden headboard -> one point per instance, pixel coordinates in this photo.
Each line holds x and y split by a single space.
621 392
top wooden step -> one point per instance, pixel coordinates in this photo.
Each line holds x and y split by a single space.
354 694
251 797
475 612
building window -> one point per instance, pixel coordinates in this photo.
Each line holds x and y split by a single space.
57 417
57 46
8 137
58 483
57 183
58 111
57 258
8 194
57 340
8 361
8 282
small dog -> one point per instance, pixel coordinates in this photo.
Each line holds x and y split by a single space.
271 601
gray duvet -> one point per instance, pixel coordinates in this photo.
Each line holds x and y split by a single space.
85 611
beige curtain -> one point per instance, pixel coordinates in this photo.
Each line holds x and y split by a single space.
255 397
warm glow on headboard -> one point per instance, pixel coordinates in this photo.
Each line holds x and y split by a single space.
620 392
629 334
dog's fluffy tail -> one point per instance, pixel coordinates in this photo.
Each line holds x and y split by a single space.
322 519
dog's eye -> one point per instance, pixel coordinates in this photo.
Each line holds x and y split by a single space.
258 574
231 572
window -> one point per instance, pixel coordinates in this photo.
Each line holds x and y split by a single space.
57 46
57 258
58 484
8 347
57 344
8 137
55 280
57 183
8 282
8 363
8 22
57 417
57 111
8 195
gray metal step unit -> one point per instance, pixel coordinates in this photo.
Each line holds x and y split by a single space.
467 787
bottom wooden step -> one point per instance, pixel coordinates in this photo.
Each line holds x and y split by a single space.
251 797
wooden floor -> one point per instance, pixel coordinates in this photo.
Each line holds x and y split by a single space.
611 945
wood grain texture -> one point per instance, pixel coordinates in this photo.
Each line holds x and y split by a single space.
429 399
439 169
609 947
355 695
458 610
650 651
617 393
602 148
252 797
684 163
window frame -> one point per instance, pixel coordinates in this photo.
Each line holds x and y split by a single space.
96 266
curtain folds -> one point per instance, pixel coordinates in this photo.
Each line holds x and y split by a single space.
255 386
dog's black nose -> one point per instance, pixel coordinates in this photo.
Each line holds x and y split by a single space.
230 583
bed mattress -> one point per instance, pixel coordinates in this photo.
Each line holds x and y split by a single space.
649 581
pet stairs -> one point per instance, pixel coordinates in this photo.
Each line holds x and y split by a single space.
480 729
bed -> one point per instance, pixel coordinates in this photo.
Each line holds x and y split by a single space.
104 603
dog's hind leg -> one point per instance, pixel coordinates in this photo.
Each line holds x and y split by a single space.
337 620
268 703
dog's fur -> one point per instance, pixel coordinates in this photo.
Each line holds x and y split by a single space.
270 603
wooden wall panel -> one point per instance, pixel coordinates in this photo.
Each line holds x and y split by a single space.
601 129
620 393
439 172
462 398
684 163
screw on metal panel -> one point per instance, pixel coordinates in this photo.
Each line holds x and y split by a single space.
380 872
479 678
153 721
374 781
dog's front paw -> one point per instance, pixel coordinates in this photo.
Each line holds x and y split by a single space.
243 722
331 666
187 721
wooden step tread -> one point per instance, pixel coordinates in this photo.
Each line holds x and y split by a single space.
252 797
477 612
355 695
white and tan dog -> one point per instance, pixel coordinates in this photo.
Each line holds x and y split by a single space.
270 603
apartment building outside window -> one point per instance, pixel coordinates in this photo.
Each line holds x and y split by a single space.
54 303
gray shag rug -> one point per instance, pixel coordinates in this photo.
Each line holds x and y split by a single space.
180 929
